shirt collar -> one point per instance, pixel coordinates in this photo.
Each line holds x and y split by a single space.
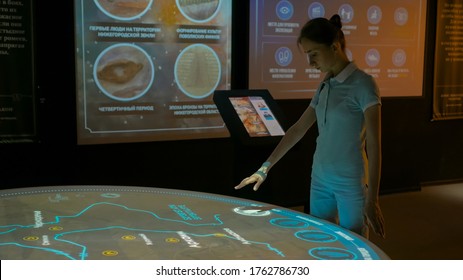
344 74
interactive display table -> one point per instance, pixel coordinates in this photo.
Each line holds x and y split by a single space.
143 223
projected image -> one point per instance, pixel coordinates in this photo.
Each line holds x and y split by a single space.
197 71
386 39
198 10
146 69
123 9
124 72
256 116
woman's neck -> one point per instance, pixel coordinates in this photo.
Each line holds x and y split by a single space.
340 66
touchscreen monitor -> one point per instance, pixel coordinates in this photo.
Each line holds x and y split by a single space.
251 116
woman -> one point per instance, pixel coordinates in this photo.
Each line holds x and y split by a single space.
347 108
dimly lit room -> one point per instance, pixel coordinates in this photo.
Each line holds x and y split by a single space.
134 129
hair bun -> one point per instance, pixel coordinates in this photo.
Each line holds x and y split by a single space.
336 20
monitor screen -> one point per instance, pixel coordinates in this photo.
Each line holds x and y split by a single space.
146 69
384 38
256 116
253 117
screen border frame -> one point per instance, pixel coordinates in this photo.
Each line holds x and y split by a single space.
233 122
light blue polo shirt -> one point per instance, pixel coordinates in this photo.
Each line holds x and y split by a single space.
340 103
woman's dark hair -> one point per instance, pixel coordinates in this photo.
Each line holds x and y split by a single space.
323 31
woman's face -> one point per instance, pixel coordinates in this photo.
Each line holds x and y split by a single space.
321 57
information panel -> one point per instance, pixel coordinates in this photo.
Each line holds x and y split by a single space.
146 69
385 38
448 66
17 84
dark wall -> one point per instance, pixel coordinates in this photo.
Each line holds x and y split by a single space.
415 149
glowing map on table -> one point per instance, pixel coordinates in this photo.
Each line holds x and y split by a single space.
118 222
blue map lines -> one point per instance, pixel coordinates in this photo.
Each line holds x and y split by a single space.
34 232
117 222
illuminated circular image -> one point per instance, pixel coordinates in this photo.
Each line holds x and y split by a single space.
374 14
283 56
346 12
401 16
284 10
372 57
197 71
399 57
124 72
289 223
199 11
124 9
316 236
254 211
316 10
329 253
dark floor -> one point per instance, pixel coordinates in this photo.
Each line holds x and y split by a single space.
423 225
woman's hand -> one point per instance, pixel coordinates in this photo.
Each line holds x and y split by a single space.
258 177
254 178
374 217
